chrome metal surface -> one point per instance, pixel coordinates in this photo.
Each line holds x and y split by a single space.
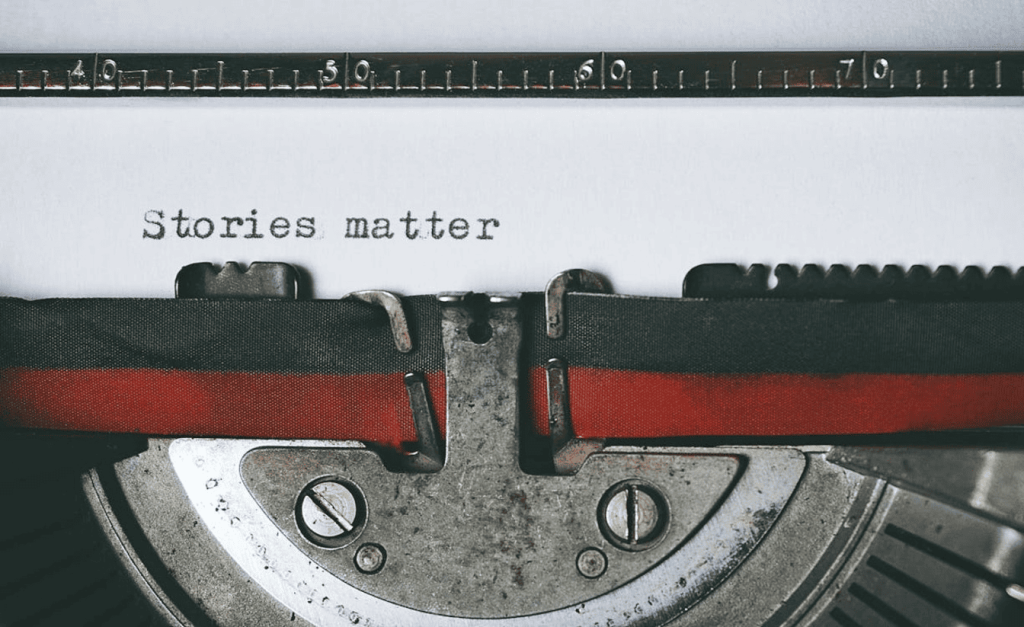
329 510
822 558
632 515
988 480
929 563
527 530
274 559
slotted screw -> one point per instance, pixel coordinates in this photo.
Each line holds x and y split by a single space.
329 509
632 515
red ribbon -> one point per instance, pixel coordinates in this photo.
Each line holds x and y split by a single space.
604 403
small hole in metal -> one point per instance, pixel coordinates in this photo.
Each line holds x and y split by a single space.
480 332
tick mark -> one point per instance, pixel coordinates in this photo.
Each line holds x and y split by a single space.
220 76
999 74
970 78
918 78
760 76
447 80
945 79
707 80
629 79
526 79
473 77
654 79
785 79
551 79
245 80
423 80
839 79
500 77
680 79
270 80
732 75
398 80
170 79
810 79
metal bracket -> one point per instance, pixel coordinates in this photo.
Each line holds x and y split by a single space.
428 457
568 452
392 304
576 280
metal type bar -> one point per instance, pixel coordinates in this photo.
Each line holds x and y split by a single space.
544 75
392 304
576 280
429 455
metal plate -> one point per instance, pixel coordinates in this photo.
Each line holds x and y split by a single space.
205 532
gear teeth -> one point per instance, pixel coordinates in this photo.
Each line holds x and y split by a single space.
864 283
260 280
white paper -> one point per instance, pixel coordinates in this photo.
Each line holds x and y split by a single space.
640 190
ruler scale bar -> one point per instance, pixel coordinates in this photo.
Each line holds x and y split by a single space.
544 75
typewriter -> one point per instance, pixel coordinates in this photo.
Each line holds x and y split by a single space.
838 449
834 447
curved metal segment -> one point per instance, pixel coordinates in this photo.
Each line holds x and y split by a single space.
392 304
575 280
696 567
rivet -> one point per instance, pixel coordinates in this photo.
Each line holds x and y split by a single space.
370 558
591 563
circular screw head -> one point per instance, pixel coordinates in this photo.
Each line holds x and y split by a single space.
591 563
633 515
370 558
330 512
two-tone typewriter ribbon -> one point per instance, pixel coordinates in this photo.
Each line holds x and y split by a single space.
922 352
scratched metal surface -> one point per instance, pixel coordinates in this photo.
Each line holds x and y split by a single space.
573 74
